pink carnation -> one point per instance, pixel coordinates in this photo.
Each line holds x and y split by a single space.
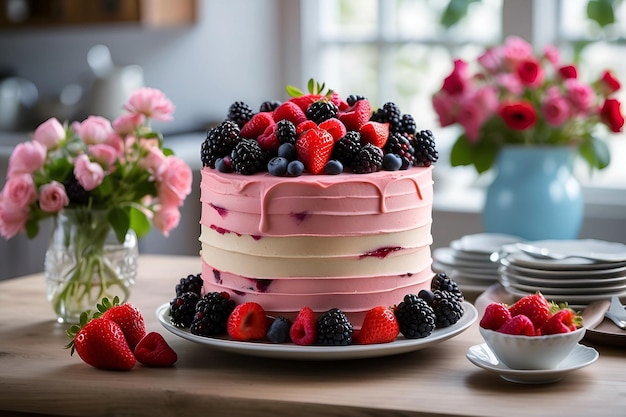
13 218
52 197
151 103
174 177
50 133
166 219
26 158
93 130
89 174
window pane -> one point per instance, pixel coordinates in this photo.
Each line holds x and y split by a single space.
348 18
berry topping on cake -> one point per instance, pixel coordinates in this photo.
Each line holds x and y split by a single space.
351 124
334 328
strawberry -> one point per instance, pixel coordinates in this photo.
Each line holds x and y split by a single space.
100 343
247 322
356 116
289 111
256 125
379 326
154 351
316 91
496 314
127 316
305 100
534 306
334 127
336 99
563 321
375 133
304 126
314 148
303 331
268 140
518 325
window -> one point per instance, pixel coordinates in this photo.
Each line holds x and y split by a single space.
396 50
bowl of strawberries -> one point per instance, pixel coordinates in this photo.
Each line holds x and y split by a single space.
532 333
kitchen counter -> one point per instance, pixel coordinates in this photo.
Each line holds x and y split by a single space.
38 376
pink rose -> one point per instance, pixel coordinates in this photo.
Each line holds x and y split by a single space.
611 115
153 160
93 130
105 154
510 83
579 95
20 190
175 178
89 174
555 107
490 60
151 103
529 72
514 50
12 218
127 123
458 80
472 114
445 107
552 54
26 158
52 197
49 133
166 219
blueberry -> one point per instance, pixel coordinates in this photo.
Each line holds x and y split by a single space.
295 168
277 166
224 164
279 330
333 167
392 162
287 151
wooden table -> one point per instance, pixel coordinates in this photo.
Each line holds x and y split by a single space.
38 376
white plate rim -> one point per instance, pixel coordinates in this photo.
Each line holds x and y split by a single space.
533 376
570 299
575 273
507 280
483 243
291 351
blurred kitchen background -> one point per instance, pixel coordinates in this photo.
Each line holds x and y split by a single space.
71 58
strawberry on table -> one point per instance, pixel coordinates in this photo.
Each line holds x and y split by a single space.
154 351
314 148
100 343
127 316
248 321
379 326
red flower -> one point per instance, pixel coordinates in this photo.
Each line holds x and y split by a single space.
456 82
529 72
518 115
568 71
611 115
608 83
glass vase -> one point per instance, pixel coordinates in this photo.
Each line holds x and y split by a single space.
534 194
85 262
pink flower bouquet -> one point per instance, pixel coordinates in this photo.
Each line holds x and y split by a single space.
120 168
515 97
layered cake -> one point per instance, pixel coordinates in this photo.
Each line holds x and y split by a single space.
317 202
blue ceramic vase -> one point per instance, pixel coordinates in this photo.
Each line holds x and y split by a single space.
534 194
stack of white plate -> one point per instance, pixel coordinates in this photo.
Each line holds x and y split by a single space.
576 278
467 260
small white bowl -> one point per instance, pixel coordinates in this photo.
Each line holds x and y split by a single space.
531 352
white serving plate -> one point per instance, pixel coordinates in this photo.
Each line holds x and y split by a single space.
483 357
293 351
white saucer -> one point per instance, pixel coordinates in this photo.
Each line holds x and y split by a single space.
581 356
293 351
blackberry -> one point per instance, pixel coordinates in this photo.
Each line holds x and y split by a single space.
321 110
75 192
401 146
269 106
353 98
389 113
415 317
183 309
347 148
285 131
240 113
369 159
425 152
448 310
211 314
247 157
219 142
408 125
443 282
334 328
190 283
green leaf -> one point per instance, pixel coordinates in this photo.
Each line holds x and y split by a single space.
601 12
294 91
462 152
139 222
482 154
120 221
596 153
455 12
168 152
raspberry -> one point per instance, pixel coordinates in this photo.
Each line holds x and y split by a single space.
334 328
247 322
212 313
495 315
304 329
